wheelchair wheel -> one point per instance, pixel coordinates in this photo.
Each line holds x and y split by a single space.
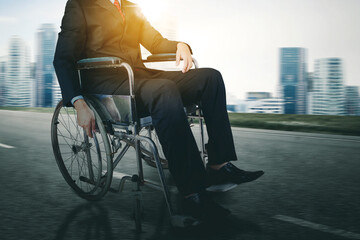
85 163
147 155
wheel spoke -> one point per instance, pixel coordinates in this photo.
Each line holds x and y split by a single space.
83 164
76 125
62 123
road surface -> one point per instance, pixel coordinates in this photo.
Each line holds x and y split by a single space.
310 190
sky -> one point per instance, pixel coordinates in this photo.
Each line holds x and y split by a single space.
240 38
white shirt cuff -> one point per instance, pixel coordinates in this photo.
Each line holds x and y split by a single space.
76 98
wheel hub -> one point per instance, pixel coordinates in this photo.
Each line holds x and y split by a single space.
78 148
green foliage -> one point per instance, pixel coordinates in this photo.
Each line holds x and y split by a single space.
29 109
346 125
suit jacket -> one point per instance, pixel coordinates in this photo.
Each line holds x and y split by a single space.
95 28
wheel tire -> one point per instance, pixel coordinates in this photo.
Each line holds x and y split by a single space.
85 163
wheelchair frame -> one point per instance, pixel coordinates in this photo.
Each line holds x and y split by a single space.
126 132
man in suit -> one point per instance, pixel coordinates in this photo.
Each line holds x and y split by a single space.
100 28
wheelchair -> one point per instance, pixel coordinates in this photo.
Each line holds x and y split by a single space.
87 164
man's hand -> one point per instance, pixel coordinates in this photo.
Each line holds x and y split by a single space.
85 116
183 52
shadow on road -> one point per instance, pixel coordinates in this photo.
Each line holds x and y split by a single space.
90 221
226 229
87 221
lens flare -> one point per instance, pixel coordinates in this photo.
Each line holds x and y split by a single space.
152 9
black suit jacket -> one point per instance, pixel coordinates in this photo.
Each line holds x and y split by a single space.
95 28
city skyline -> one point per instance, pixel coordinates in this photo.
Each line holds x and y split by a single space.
321 92
242 41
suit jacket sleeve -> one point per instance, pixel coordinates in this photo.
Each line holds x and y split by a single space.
153 41
68 51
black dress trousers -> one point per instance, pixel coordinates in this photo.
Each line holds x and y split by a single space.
163 95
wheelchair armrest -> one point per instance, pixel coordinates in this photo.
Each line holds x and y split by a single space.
161 57
107 62
164 57
99 62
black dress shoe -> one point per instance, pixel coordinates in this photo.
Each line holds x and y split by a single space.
229 173
202 207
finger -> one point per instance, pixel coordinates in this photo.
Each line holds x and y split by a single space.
87 130
189 64
93 125
177 58
78 119
90 132
185 65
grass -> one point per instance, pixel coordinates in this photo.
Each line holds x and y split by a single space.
345 125
29 109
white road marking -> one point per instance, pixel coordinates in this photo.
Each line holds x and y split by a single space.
6 146
319 227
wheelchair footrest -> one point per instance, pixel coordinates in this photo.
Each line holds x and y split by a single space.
123 178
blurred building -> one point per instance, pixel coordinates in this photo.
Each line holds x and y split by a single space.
17 78
293 68
240 106
46 86
270 105
352 104
257 95
328 94
2 79
56 93
231 107
258 102
310 79
33 84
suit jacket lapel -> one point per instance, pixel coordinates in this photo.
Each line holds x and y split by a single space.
107 5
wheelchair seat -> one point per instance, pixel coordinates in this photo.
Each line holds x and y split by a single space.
122 105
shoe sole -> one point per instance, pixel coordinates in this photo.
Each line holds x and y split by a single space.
228 186
221 187
253 179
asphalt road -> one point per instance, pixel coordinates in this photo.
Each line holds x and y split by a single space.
310 190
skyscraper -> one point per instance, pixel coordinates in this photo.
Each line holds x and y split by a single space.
17 77
328 96
352 100
2 80
310 79
46 83
33 85
293 68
